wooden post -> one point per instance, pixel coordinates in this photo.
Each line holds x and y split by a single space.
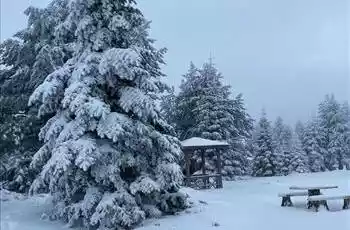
203 161
218 165
188 164
205 182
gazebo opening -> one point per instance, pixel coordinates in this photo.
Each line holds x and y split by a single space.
196 145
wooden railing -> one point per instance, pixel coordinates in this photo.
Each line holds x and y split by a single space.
204 181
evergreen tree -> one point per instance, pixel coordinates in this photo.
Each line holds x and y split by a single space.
277 133
312 147
266 162
204 108
186 101
108 159
243 122
28 57
213 110
282 143
213 114
345 134
168 106
299 159
332 133
239 158
299 131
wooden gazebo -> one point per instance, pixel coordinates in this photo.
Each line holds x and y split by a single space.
196 145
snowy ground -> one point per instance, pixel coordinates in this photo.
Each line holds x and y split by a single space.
243 205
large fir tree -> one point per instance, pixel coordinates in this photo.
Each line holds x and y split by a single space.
238 159
282 145
28 58
345 113
205 108
185 102
213 111
299 161
168 106
108 158
332 133
266 161
299 130
312 146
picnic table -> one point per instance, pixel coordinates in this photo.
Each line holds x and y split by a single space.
313 191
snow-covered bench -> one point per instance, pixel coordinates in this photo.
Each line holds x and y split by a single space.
316 201
286 201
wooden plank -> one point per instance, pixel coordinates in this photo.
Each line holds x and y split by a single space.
312 187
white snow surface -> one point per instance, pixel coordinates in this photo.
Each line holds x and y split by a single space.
243 205
197 141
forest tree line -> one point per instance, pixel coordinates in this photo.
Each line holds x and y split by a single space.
205 107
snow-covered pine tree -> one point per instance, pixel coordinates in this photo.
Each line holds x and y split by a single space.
213 113
19 137
29 57
205 108
345 110
299 131
282 145
332 129
287 150
185 102
266 162
239 158
312 146
168 107
277 133
299 160
108 158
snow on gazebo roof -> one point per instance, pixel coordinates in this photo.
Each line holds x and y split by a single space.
201 143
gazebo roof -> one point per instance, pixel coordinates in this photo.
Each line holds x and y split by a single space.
201 143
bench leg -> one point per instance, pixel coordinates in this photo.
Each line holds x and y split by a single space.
286 201
315 204
309 204
290 204
325 205
283 201
346 203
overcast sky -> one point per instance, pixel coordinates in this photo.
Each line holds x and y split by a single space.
283 55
